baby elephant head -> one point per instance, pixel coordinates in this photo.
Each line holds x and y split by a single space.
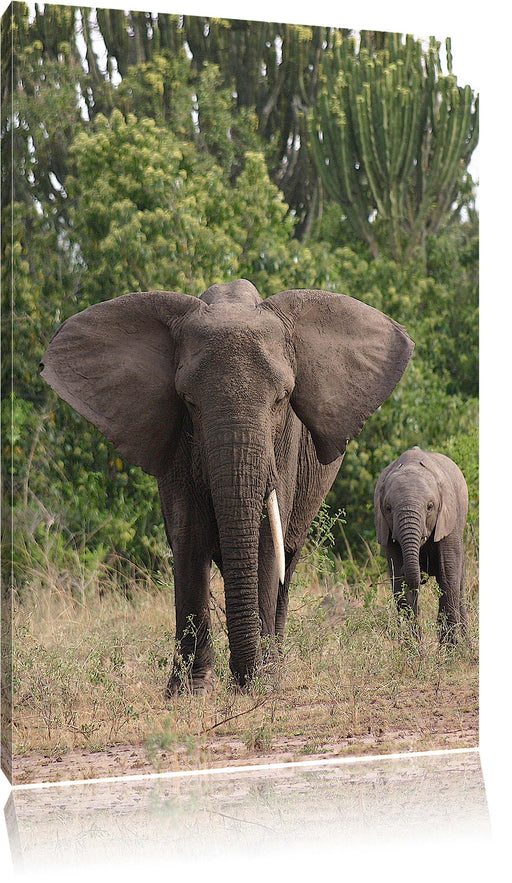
411 503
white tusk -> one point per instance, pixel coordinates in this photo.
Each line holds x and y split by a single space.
277 533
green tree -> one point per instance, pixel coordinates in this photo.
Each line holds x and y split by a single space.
225 132
392 138
161 214
273 69
149 220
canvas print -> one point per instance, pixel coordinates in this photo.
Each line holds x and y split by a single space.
240 393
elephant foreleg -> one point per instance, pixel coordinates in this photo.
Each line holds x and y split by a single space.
190 529
406 600
193 655
449 573
463 611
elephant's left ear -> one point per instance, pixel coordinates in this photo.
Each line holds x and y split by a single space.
114 363
349 357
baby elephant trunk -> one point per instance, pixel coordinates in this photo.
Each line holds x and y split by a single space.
409 534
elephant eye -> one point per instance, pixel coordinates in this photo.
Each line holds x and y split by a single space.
430 506
388 507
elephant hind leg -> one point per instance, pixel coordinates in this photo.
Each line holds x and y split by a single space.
291 559
463 610
452 617
448 620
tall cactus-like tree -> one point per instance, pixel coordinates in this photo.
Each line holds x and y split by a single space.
392 137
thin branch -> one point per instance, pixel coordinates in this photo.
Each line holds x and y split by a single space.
232 717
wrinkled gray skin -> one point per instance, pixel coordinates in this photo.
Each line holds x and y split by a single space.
421 507
224 399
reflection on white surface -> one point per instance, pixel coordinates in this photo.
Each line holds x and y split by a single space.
198 821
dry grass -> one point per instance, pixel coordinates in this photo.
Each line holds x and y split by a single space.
91 664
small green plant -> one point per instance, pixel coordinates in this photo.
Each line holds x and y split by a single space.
312 747
169 738
259 737
321 538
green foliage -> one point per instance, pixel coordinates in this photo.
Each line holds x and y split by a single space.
463 448
227 134
391 136
321 538
436 400
160 89
161 214
149 220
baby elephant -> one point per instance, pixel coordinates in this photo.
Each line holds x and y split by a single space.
421 506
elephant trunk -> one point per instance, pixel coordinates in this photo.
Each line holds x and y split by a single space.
238 482
408 533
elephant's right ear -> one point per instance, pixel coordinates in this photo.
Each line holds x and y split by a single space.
114 363
381 525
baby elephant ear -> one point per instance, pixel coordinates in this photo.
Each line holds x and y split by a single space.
381 525
114 363
349 359
453 493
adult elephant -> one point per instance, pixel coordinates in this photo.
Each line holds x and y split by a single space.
229 401
421 507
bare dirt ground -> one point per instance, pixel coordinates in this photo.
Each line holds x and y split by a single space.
228 751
